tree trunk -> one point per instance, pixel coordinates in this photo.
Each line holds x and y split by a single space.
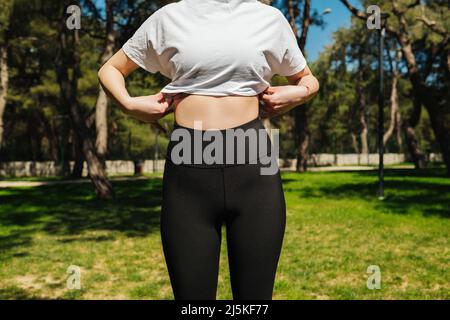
77 171
399 132
3 85
355 143
301 117
6 7
394 121
68 55
50 134
361 99
363 134
301 123
101 106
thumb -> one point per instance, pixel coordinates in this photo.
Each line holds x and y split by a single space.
164 104
267 97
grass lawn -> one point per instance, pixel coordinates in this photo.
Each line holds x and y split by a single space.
336 228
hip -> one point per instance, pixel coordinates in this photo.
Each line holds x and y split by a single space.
246 144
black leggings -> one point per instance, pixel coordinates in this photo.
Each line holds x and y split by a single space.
197 200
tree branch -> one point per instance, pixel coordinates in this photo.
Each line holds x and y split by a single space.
363 16
432 25
357 13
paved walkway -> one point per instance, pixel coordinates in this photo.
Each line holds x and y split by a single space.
342 168
353 168
12 184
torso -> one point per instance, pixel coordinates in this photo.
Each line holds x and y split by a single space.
221 88
220 63
215 112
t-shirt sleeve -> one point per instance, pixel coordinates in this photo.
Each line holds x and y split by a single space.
144 46
292 59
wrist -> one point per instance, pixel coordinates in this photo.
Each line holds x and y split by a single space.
127 103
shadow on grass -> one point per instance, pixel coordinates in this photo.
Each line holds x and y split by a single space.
14 239
70 209
16 293
426 191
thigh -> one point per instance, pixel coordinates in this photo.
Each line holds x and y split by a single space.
190 230
255 229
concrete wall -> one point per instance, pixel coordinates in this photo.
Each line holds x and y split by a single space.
122 167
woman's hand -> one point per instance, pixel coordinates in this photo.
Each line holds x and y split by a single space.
280 99
148 109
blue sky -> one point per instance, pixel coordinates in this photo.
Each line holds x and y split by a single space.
318 38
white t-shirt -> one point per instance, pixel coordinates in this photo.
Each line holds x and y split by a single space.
216 47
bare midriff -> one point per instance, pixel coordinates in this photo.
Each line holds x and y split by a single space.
215 112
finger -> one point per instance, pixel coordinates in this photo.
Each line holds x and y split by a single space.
270 90
159 96
164 106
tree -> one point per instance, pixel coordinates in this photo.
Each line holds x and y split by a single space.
429 76
395 123
300 113
5 12
68 57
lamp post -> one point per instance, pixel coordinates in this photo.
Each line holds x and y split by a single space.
381 35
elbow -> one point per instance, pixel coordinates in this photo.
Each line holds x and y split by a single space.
100 74
318 86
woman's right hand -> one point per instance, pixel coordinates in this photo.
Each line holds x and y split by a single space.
147 108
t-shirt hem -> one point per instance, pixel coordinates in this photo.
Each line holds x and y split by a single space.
211 93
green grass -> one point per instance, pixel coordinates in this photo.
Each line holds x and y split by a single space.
336 228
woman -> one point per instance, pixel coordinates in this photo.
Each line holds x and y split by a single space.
220 56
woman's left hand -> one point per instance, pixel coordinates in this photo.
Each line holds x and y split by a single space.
280 99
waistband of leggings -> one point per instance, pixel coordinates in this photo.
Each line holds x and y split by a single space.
255 124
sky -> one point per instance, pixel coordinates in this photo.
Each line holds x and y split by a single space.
319 37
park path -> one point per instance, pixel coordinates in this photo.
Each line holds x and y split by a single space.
13 184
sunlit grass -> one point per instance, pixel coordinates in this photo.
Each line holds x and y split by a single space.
336 228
